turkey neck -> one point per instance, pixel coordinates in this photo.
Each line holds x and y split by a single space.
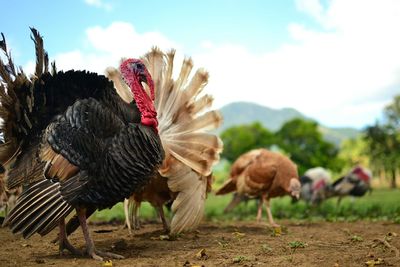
144 104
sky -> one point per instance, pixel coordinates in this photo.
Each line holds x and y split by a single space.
336 61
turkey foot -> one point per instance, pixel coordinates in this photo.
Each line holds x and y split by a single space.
99 255
90 248
64 244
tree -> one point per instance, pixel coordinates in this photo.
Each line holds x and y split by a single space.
353 151
392 113
384 148
384 141
240 139
306 147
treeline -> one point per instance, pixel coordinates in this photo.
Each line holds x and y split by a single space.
383 142
378 146
300 139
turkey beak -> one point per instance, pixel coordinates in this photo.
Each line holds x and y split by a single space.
295 194
142 78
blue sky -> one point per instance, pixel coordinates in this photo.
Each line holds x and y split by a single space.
336 61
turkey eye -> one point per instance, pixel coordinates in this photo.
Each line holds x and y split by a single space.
137 67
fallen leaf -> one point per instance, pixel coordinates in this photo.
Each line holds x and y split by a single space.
372 263
277 231
164 237
108 263
238 234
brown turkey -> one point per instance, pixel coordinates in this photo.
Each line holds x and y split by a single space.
157 193
74 143
265 174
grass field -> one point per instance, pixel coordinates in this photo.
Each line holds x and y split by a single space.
381 204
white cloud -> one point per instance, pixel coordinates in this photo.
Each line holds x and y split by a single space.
313 8
106 46
342 73
99 4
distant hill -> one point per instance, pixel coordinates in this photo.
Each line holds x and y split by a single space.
245 112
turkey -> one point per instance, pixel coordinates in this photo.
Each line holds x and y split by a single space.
356 183
73 143
190 151
315 185
265 174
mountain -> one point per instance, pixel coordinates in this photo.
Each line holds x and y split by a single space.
245 112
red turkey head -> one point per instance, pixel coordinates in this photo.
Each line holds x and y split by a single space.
134 72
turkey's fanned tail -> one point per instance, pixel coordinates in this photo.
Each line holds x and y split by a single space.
183 124
18 99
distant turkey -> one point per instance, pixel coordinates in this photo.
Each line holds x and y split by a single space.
263 174
74 143
315 185
356 183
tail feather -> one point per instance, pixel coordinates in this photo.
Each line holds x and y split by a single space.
173 99
6 71
200 105
201 163
188 207
228 187
42 59
208 121
38 209
155 60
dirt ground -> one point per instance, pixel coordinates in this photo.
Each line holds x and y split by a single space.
220 244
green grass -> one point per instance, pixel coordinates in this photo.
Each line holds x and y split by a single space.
117 213
381 204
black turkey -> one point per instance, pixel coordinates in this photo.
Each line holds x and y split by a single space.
73 143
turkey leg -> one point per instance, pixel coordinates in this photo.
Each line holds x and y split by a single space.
136 219
63 240
269 213
90 248
162 217
259 211
127 216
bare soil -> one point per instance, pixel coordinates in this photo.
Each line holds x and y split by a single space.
220 244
